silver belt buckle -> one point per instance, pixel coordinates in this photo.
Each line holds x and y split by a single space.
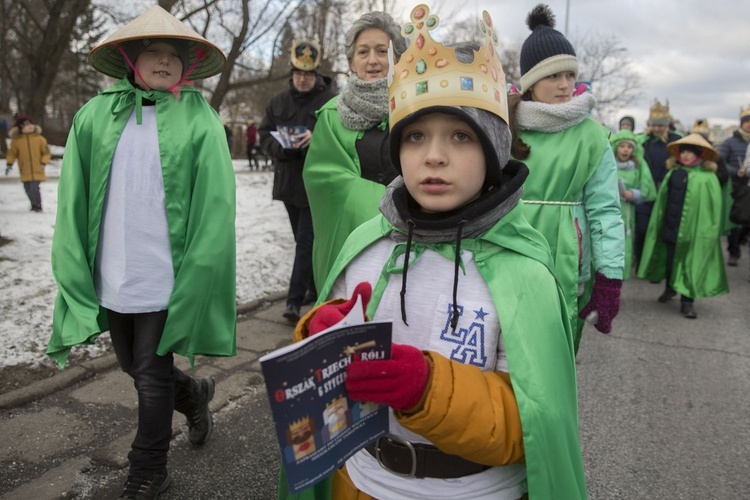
392 437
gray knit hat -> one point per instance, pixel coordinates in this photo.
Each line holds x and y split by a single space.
546 51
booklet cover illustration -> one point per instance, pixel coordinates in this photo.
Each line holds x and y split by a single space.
317 425
285 135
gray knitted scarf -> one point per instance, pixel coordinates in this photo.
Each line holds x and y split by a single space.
542 117
473 228
363 105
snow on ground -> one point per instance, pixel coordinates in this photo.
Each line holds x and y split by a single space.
265 251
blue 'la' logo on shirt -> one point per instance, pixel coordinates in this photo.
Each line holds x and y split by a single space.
469 341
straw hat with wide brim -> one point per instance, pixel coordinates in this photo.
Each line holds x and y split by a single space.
694 139
156 23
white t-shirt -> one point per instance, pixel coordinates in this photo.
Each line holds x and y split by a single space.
429 298
133 269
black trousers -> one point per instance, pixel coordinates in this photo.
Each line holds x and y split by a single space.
302 275
161 387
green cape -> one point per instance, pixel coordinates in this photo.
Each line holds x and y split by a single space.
538 343
340 199
698 269
639 178
579 179
200 201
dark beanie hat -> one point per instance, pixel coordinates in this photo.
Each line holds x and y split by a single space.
133 48
628 119
546 51
21 120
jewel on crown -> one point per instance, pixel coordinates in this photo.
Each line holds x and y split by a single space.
428 73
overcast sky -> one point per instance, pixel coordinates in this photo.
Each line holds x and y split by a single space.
695 53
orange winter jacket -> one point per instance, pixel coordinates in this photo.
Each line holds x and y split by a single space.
32 153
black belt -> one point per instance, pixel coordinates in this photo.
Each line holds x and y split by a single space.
420 460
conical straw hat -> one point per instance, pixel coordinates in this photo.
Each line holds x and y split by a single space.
156 23
694 139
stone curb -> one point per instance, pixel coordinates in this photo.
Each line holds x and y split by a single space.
87 369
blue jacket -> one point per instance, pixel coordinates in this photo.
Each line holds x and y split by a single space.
733 152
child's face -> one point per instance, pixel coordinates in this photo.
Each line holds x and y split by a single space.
687 157
28 128
554 89
442 162
624 151
159 65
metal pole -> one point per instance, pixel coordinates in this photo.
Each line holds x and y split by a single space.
567 15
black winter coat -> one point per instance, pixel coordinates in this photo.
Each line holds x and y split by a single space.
292 108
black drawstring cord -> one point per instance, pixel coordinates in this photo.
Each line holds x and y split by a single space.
456 266
409 236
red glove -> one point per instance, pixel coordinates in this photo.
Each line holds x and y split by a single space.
329 314
605 300
399 382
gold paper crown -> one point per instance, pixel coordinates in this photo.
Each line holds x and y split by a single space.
335 401
307 61
428 73
658 112
744 112
296 425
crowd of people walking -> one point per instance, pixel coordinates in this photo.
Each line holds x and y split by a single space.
492 220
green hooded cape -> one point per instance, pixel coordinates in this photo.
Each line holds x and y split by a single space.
698 268
639 178
537 338
200 202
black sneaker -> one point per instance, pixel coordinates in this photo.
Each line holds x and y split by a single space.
200 420
146 488
667 296
291 313
687 310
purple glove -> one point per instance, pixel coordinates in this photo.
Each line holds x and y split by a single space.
605 301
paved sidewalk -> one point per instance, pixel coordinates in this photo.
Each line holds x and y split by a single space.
85 416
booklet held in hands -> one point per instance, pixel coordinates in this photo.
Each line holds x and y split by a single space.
317 425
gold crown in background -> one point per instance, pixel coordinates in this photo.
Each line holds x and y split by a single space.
428 73
658 111
307 61
744 112
701 126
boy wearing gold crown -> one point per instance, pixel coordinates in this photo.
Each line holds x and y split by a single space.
480 333
682 243
144 239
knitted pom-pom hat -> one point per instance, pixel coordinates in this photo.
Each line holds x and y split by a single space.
546 51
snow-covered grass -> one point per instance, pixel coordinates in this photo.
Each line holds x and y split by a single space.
265 251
